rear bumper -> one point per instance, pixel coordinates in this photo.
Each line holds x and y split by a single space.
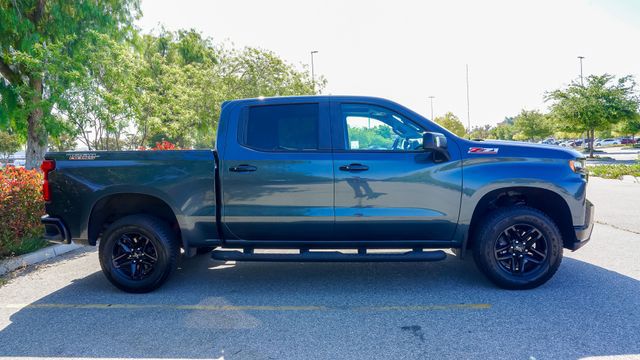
55 230
583 233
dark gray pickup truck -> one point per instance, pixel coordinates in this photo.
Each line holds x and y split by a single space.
351 174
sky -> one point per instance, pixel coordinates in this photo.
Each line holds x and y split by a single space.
407 51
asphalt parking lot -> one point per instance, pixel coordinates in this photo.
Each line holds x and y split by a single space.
210 309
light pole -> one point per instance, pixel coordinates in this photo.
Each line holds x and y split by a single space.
468 111
589 133
431 98
313 75
581 82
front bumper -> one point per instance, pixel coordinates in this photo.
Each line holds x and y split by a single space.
583 233
55 230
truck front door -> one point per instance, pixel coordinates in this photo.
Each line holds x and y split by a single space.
386 186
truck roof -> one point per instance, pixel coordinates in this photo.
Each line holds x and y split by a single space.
303 98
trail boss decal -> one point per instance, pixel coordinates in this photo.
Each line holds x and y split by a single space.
83 156
482 150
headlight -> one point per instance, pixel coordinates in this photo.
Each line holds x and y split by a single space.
577 166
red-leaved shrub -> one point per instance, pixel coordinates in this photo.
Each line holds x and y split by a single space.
21 206
161 145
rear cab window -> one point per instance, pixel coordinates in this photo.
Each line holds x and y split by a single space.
287 127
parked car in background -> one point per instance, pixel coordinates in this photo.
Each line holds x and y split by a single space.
627 141
607 142
568 143
549 141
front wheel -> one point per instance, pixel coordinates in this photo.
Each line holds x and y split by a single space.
518 247
138 253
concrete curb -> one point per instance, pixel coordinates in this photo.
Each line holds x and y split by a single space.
35 257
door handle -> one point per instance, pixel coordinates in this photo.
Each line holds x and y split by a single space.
243 168
354 167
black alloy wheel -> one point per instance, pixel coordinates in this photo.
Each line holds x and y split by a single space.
134 256
521 249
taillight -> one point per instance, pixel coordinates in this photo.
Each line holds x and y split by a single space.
47 167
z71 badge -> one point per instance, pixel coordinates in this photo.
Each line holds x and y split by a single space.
83 156
482 150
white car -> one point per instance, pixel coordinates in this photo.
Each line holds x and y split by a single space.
606 142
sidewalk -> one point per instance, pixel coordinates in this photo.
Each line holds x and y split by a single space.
622 198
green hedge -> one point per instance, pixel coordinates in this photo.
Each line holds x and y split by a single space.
614 171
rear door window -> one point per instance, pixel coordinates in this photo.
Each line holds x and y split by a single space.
291 127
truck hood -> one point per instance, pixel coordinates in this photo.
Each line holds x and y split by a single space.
516 148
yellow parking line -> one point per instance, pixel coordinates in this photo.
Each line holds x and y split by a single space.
248 307
426 307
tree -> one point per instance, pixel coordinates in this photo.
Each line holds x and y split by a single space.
9 144
452 123
504 130
531 125
100 107
42 54
63 142
630 126
481 132
179 86
600 103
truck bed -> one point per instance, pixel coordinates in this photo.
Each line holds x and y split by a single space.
83 182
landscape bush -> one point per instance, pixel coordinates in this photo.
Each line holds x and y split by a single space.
615 171
21 206
161 145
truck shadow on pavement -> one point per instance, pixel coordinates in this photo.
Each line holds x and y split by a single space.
334 310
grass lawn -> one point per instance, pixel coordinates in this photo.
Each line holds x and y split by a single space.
22 247
614 171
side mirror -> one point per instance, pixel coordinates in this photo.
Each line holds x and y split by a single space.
437 144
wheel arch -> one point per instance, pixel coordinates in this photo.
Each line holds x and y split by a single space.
548 201
112 207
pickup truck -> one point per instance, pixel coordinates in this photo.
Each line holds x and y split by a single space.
323 178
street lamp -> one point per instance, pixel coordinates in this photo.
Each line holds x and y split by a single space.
431 97
468 110
313 75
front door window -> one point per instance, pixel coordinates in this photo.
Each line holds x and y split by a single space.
374 128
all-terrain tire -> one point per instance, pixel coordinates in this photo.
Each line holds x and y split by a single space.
488 239
157 235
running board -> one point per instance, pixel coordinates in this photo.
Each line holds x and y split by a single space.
329 256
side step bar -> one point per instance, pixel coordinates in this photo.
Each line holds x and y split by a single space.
328 256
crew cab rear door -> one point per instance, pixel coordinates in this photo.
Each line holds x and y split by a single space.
277 171
386 186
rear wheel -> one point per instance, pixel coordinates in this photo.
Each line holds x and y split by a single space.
518 247
138 253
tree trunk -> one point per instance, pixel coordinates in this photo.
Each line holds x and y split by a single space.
36 133
591 135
